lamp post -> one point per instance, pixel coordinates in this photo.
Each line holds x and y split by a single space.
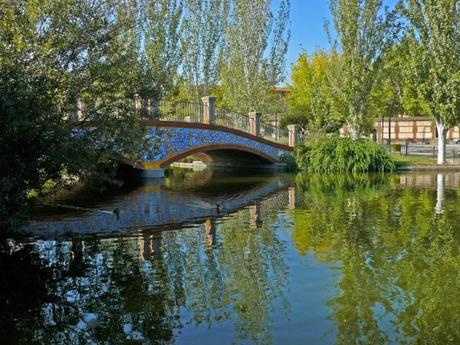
389 107
383 128
276 125
389 131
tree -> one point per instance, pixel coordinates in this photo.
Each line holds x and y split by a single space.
362 37
160 22
435 55
395 91
253 55
59 59
311 102
201 43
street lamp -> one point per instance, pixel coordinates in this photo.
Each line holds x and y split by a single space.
389 102
383 128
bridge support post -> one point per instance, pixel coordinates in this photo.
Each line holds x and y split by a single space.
209 109
291 195
137 102
254 123
293 135
79 107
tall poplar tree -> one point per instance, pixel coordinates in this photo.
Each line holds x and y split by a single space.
396 91
202 39
362 37
435 56
253 55
161 24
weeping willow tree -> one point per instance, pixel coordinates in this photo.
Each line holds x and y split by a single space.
253 55
435 55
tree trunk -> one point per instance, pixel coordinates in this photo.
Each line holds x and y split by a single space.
353 132
442 133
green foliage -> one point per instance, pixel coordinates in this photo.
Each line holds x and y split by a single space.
362 37
294 119
159 59
289 160
202 43
253 55
342 155
395 91
57 59
434 54
312 102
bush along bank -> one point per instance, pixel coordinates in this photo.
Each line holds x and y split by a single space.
342 155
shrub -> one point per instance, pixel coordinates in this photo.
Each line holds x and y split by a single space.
342 155
290 161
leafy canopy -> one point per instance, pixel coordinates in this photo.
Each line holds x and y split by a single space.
311 101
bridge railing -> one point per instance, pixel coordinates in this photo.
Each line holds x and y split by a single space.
273 133
180 111
226 118
251 123
242 122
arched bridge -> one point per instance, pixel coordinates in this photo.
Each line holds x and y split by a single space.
217 137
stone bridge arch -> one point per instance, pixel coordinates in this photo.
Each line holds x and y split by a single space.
216 154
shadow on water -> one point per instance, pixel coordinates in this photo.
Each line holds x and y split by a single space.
23 291
367 259
81 196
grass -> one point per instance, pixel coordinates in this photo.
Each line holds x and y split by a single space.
406 161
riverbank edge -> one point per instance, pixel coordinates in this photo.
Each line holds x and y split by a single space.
428 168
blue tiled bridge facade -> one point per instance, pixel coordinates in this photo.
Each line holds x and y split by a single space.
173 140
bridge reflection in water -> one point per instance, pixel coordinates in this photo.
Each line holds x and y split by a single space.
163 203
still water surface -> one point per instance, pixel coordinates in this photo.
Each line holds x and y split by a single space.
281 260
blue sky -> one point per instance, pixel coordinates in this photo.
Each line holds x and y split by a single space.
307 26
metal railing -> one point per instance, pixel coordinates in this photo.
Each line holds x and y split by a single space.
229 119
194 113
273 133
426 150
179 111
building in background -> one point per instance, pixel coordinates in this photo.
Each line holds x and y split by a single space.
403 129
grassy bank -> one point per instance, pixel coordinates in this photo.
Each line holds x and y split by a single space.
407 161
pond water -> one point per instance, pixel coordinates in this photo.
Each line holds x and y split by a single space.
206 258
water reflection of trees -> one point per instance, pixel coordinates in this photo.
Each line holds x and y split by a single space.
399 280
400 257
254 271
145 288
23 291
